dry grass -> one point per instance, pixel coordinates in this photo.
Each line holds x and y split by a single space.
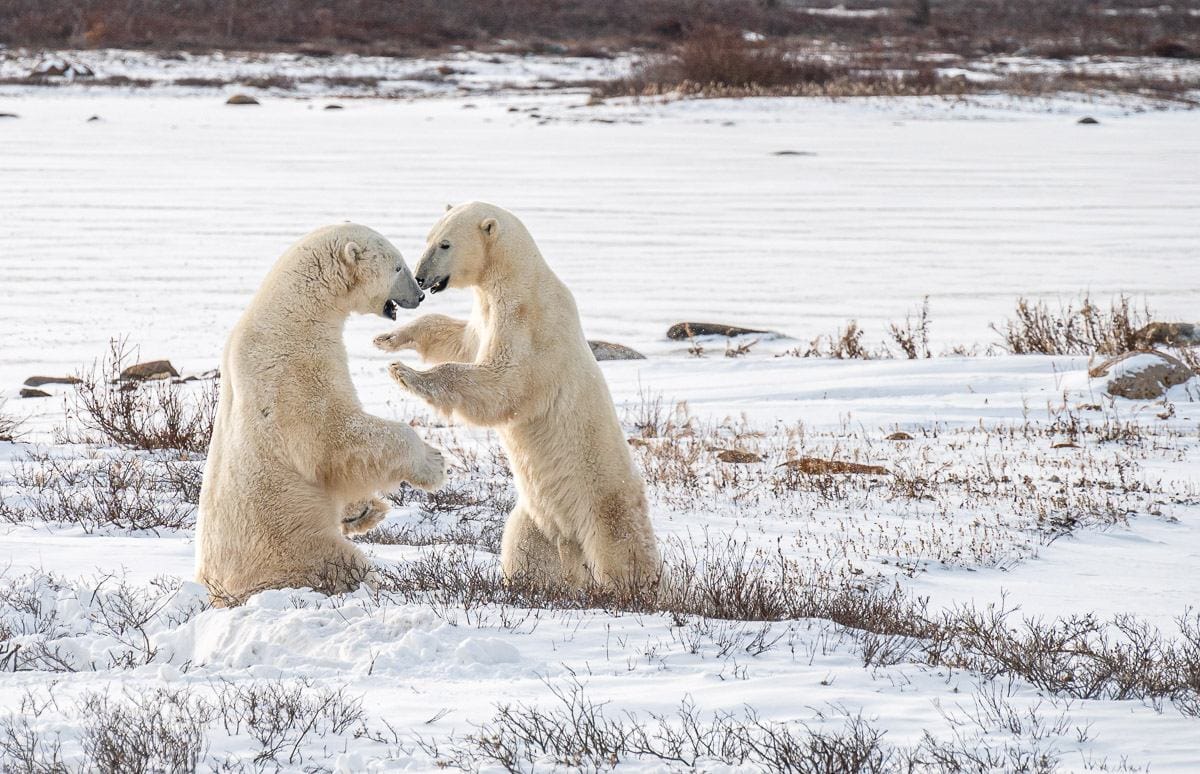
1082 328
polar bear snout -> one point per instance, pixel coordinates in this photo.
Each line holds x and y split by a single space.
404 294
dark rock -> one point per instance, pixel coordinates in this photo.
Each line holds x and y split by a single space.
899 435
9 115
606 350
1159 334
39 381
1141 375
793 153
28 392
93 118
813 466
738 457
1087 120
241 99
686 330
333 106
152 369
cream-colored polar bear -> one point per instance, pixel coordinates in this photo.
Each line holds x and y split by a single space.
521 365
292 452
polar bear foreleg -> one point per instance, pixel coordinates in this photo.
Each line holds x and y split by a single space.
435 337
482 395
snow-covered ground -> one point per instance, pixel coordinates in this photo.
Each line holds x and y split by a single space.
157 221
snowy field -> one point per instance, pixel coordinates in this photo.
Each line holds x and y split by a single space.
1023 487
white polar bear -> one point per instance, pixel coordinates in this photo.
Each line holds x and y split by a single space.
522 365
292 450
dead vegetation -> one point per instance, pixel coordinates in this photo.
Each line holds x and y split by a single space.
1053 28
150 415
10 425
1082 328
128 493
169 729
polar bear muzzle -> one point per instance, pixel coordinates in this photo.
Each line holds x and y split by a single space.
404 293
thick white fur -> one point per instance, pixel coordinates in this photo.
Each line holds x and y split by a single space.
521 365
292 451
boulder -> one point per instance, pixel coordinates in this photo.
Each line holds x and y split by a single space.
333 106
738 457
29 392
1141 375
150 370
241 99
1160 334
1087 120
685 330
39 381
606 350
814 466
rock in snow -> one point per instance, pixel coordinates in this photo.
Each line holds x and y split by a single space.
39 381
241 99
606 350
1141 375
1159 334
685 330
152 369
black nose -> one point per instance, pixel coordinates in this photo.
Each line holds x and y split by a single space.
420 280
420 296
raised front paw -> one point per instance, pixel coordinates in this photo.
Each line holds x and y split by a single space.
403 375
364 516
430 472
394 341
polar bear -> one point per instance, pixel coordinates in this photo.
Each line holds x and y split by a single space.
292 452
521 365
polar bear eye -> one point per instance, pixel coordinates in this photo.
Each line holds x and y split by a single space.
445 245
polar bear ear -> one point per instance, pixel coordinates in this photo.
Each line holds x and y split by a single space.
490 228
351 253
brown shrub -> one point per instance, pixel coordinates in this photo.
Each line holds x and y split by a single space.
139 415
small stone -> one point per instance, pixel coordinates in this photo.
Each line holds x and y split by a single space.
899 435
39 381
1141 375
738 457
333 106
148 371
1087 120
814 466
1064 445
241 99
792 153
686 330
28 392
93 118
606 350
9 115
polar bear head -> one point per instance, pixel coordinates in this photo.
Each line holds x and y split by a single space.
373 276
459 249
